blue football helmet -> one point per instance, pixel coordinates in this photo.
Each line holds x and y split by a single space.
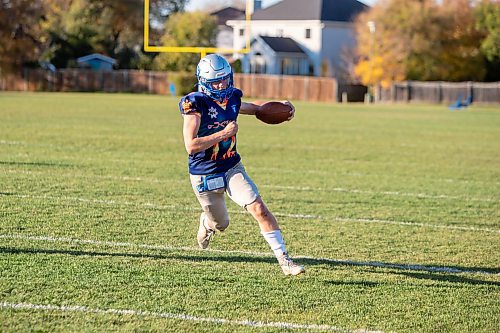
214 68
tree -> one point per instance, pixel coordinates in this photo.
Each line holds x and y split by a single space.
381 54
449 45
84 26
186 29
161 9
19 33
488 21
419 40
59 31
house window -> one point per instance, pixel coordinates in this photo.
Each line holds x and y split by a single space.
308 33
242 32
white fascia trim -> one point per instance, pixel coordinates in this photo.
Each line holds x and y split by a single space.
335 24
238 23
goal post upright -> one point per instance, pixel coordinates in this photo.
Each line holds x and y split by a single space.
195 49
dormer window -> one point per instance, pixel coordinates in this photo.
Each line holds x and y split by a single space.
308 33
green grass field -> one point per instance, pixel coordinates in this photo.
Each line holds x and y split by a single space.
393 209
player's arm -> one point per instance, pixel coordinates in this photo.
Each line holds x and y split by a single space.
249 108
193 144
252 108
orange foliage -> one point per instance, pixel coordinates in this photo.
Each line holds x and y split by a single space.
418 40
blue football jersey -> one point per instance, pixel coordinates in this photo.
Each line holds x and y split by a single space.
214 117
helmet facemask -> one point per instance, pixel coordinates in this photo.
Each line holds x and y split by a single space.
211 69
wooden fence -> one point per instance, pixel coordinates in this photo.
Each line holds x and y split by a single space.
87 80
302 88
441 92
253 85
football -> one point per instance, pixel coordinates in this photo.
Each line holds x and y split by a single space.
273 112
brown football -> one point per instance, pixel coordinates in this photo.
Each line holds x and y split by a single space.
273 112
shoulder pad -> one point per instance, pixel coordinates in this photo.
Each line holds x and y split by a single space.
238 93
191 103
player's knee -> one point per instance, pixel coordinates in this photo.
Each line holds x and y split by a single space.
260 210
220 224
217 217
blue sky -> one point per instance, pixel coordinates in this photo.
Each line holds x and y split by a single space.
194 4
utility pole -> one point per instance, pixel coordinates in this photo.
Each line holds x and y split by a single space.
371 25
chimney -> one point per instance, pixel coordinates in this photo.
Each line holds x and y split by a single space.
257 5
254 6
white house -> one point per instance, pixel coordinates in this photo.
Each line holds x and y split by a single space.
277 55
306 36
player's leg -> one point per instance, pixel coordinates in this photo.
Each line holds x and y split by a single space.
272 234
214 216
243 191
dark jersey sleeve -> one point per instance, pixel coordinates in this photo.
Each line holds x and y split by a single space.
238 93
191 103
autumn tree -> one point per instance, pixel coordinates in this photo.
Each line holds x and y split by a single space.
419 40
20 33
114 28
382 54
450 49
85 26
59 31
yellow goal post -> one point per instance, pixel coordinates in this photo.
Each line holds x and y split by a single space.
196 49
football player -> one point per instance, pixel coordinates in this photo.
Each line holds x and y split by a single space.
215 167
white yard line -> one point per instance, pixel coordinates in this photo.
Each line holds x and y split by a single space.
278 214
392 193
312 189
177 316
7 142
98 201
408 267
361 174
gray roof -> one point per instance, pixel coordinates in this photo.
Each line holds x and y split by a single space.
228 13
323 10
282 44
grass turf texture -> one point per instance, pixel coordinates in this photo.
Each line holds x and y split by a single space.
374 185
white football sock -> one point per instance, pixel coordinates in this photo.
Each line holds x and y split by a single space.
275 240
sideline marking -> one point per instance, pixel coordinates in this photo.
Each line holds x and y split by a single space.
178 316
377 264
296 216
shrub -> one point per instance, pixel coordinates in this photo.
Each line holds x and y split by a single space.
184 82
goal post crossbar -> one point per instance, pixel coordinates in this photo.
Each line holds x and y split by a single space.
195 49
